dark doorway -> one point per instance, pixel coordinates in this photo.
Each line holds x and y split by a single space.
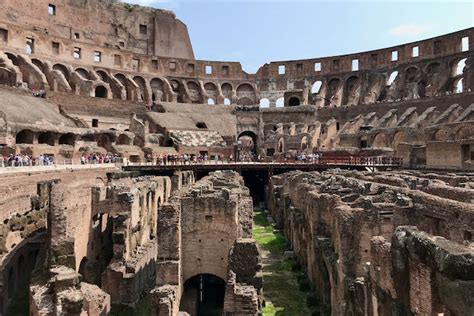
101 92
294 101
256 181
203 295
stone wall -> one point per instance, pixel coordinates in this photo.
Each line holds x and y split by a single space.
340 223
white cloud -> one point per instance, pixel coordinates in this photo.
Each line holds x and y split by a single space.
410 29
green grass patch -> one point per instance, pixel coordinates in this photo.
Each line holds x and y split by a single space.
142 308
280 285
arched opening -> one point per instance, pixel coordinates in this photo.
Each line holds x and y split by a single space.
46 138
333 89
123 139
141 87
316 87
62 69
246 90
210 101
227 90
102 75
104 141
304 143
83 73
194 92
264 103
392 78
176 87
459 67
101 92
123 81
380 141
458 86
294 101
350 91
211 90
247 142
157 90
67 139
201 125
280 102
203 295
24 137
227 101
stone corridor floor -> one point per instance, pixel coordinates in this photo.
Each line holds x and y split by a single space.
281 290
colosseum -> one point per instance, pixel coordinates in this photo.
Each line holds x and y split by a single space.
138 180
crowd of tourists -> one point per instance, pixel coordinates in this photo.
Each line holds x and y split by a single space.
98 158
26 160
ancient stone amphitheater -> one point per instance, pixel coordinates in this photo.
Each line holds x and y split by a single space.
130 170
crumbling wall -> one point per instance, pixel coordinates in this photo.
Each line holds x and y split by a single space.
338 224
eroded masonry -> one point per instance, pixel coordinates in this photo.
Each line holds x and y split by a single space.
90 88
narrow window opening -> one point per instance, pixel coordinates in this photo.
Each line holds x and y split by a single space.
299 68
143 29
395 55
3 35
55 48
136 64
76 53
154 64
118 60
317 66
97 57
172 65
76 36
95 123
225 70
51 9
355 65
30 45
281 69
190 68
437 47
465 44
335 65
415 51
208 70
122 44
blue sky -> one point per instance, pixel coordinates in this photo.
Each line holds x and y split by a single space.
259 31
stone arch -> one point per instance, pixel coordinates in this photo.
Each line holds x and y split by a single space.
248 134
246 90
104 141
157 89
391 79
227 91
46 138
227 101
176 87
465 132
443 134
142 92
457 66
333 87
124 82
208 289
211 91
280 102
101 92
67 139
25 136
123 139
294 101
457 85
13 58
264 103
398 138
83 73
380 141
102 75
62 69
194 92
38 63
350 91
